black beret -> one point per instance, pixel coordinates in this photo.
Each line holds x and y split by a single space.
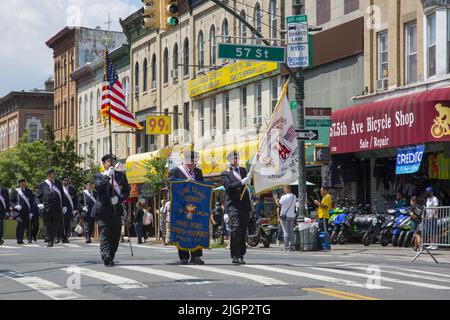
50 171
21 180
108 156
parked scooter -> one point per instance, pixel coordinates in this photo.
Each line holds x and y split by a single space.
336 225
402 220
373 233
387 227
262 231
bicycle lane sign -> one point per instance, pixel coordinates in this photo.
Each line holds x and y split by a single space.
298 44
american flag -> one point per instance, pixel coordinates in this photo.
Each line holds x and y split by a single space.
290 135
113 98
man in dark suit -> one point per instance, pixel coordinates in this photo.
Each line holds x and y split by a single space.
112 190
23 202
234 180
70 209
188 171
4 210
50 201
86 202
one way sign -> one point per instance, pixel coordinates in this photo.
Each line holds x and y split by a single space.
308 134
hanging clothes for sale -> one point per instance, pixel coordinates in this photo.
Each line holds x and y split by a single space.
433 167
381 173
444 167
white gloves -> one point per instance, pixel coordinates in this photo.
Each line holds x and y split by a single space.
114 200
41 206
85 209
18 207
245 181
64 210
74 212
109 172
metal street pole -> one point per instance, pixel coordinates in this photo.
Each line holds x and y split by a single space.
300 97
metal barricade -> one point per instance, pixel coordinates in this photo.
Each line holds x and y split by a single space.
434 228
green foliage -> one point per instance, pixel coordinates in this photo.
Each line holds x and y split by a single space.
93 166
155 177
31 160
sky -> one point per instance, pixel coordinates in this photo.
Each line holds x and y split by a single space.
25 61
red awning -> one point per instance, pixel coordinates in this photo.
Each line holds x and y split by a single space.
411 119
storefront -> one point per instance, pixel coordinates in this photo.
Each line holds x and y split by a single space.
365 139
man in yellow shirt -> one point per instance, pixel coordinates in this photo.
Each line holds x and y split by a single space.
323 211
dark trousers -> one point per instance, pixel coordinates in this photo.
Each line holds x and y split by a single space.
238 224
89 224
2 222
52 222
65 233
109 235
185 255
34 225
23 221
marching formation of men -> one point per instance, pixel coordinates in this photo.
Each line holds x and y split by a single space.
102 202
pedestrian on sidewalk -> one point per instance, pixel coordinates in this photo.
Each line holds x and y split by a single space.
287 216
416 211
400 201
138 221
432 216
323 208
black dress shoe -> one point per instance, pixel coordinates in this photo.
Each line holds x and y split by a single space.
65 241
88 241
235 261
50 244
57 241
197 261
241 261
107 261
184 262
30 241
19 242
1 242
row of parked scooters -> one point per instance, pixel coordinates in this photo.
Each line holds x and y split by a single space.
367 225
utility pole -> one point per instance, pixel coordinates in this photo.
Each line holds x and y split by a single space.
300 97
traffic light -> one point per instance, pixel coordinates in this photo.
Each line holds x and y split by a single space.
170 14
152 14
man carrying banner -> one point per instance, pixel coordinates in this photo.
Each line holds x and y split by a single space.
238 208
108 208
188 171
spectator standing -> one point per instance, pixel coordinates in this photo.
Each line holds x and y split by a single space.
287 217
432 202
217 220
323 211
138 221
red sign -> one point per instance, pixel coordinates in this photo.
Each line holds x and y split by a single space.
412 119
318 112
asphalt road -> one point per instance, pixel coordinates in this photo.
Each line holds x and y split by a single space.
353 272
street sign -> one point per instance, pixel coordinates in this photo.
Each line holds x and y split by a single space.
294 105
318 122
308 134
318 112
298 41
159 125
250 52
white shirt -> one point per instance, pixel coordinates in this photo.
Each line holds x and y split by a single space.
432 202
287 203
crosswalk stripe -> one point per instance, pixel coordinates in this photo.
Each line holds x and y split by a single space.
404 274
312 276
9 247
94 244
381 278
260 279
121 282
421 271
45 287
32 246
165 274
71 245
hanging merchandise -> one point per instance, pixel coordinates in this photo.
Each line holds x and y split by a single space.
444 167
381 172
433 167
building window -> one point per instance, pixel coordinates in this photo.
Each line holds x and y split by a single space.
258 103
136 78
201 117
166 66
257 22
244 107
186 123
226 112
154 71
72 109
176 124
186 57
144 75
274 93
323 9
85 111
166 137
382 60
91 109
273 20
33 130
431 45
99 102
213 115
201 50
175 61
80 112
65 113
242 29
212 46
225 31
98 150
105 145
350 6
411 53
126 89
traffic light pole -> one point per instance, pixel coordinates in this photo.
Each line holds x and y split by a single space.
300 97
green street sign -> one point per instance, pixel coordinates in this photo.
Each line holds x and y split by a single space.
318 122
294 105
249 52
299 18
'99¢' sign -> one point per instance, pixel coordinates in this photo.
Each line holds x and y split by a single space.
159 125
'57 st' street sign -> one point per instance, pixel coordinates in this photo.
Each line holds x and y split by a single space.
249 52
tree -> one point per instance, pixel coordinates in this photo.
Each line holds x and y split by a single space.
155 177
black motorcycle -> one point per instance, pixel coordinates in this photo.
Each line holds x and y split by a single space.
260 231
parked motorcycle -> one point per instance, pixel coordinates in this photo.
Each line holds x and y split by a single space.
262 232
401 221
387 227
336 225
358 223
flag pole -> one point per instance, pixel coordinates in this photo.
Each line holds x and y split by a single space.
111 149
250 173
